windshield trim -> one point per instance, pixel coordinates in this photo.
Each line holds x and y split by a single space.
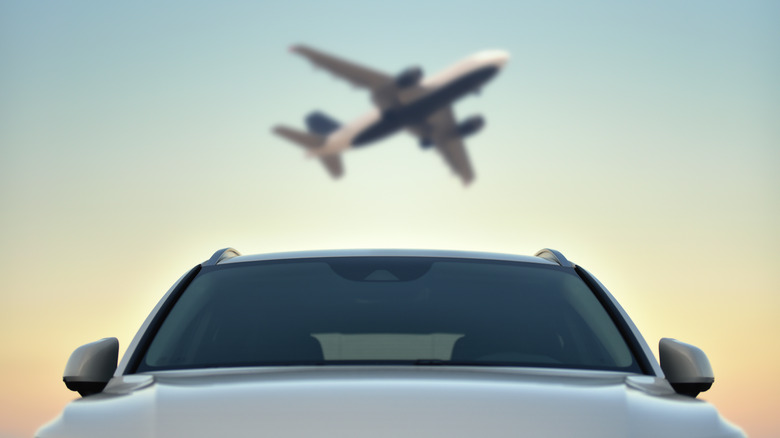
638 359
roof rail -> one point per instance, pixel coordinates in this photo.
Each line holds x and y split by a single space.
222 254
555 257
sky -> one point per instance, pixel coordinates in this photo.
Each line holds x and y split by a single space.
640 139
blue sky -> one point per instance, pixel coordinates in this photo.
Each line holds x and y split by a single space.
639 139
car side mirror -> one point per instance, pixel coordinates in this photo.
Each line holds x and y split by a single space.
91 366
686 367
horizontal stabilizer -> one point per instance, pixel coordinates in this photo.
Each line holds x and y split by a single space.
312 142
308 141
333 164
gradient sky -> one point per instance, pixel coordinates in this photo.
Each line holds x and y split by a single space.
641 140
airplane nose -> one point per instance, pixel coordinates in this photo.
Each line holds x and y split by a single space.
502 58
496 58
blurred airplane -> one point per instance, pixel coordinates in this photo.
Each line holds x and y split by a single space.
404 101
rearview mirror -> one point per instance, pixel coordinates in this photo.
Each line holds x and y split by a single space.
91 366
686 367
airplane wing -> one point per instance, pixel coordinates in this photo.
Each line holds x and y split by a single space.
444 133
353 73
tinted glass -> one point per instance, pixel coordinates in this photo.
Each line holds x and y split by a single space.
388 310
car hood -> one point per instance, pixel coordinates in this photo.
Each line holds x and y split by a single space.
388 401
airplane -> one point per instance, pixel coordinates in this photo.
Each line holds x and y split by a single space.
422 106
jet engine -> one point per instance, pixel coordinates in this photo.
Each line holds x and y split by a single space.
470 126
409 77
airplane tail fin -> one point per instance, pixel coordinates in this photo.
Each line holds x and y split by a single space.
320 123
312 142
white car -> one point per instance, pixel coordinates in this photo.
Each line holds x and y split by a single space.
389 343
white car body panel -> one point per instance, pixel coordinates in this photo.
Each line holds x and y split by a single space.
387 400
391 402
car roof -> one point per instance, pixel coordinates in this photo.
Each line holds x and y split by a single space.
221 257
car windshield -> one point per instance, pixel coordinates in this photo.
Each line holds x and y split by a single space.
387 310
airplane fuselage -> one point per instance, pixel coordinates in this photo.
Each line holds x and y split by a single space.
438 92
406 101
420 109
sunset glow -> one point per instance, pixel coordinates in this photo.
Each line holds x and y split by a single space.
639 140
